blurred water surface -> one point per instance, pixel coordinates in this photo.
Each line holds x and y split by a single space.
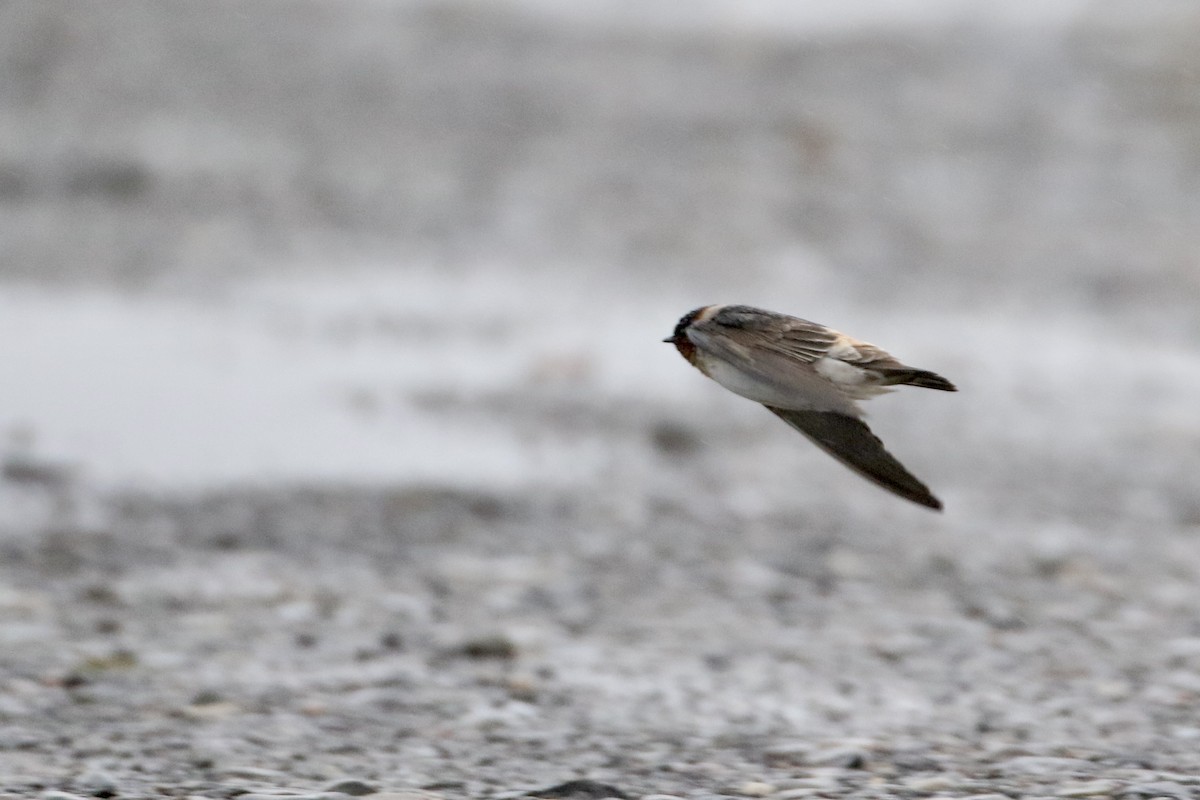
396 241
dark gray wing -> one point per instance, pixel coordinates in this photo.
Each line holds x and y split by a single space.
765 330
851 442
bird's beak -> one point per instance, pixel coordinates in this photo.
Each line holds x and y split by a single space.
669 340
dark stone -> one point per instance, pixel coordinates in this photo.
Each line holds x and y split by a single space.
498 647
352 786
579 790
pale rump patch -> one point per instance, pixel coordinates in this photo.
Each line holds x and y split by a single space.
856 382
843 349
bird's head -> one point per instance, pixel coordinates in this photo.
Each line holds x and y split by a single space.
679 337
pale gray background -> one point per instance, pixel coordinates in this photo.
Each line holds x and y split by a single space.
339 442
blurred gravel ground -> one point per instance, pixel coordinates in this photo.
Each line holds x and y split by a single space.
706 607
655 641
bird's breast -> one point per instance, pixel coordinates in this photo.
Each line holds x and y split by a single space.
743 383
687 350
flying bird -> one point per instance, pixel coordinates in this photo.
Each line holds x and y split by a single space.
811 377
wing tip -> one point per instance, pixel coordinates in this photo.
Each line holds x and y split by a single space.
929 501
909 488
846 439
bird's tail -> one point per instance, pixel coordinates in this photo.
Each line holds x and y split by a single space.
908 376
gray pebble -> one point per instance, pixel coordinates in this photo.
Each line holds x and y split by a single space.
1158 789
788 753
97 784
1088 788
931 783
844 757
824 779
1177 777
913 761
17 739
1045 765
254 774
1010 787
787 784
797 793
54 794
352 786
312 796
579 789
661 797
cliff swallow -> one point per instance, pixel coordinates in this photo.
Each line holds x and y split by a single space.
811 377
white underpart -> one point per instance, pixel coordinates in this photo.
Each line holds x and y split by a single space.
799 390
